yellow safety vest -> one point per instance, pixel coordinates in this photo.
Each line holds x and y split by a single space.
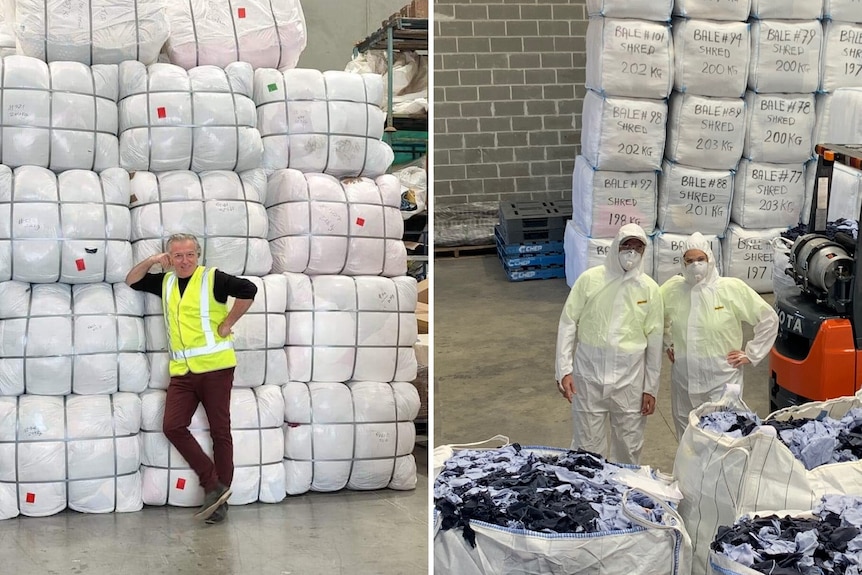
192 321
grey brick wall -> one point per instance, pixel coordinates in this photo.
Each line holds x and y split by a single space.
508 81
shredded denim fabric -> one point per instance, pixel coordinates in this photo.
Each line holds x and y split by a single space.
814 442
850 227
830 543
574 492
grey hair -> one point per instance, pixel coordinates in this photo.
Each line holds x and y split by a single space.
183 238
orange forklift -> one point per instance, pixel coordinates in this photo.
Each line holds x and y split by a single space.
818 352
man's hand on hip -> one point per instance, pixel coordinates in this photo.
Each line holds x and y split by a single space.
567 387
224 330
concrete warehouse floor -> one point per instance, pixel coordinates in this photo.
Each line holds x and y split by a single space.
494 346
366 533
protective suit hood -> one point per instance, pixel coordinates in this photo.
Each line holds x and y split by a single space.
612 261
697 242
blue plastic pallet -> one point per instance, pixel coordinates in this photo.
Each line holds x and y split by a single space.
529 260
527 247
523 274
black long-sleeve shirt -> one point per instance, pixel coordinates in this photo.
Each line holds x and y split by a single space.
224 285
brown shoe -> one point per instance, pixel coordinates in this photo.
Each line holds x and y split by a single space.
218 516
212 501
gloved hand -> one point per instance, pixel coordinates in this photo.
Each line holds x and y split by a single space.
567 387
737 359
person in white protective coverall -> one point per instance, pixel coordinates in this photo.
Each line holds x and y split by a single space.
614 313
703 330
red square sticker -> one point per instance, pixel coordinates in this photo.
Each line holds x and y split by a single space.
31 498
360 222
80 264
181 483
161 112
240 12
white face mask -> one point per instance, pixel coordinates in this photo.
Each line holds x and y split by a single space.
629 259
695 272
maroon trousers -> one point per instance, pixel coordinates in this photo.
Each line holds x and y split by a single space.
213 391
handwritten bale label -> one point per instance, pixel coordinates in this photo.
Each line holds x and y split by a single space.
711 57
694 200
705 132
749 256
842 56
785 56
779 127
768 195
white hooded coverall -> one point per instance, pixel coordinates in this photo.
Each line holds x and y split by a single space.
616 319
703 324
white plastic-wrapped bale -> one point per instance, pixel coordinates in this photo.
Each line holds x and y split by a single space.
669 249
631 58
655 10
224 210
72 228
7 32
342 328
840 118
326 122
842 55
781 280
845 197
602 200
694 200
623 134
779 127
259 337
748 255
358 435
785 56
60 116
263 33
734 10
786 9
319 225
842 10
80 452
584 252
202 119
711 57
256 420
59 339
705 132
822 111
768 195
92 32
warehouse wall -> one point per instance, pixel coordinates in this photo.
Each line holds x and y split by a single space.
334 26
508 81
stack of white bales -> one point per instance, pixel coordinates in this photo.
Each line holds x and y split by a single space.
72 351
705 127
629 76
335 231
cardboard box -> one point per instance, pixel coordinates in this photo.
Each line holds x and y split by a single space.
422 290
422 317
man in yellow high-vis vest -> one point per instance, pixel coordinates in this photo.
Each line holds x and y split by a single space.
202 359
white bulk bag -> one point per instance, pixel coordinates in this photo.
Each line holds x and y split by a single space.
623 134
7 31
583 252
73 228
202 119
694 200
263 33
92 32
780 264
669 249
256 419
845 197
736 10
603 201
258 337
705 132
785 56
631 58
358 435
60 116
59 339
722 478
224 210
789 9
80 451
779 127
655 10
711 57
841 121
748 255
342 328
320 225
842 56
768 195
842 10
327 122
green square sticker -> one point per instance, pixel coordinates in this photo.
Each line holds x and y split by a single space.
272 87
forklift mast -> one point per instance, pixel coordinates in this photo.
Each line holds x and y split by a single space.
827 155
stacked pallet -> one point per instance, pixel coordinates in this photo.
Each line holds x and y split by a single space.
529 239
